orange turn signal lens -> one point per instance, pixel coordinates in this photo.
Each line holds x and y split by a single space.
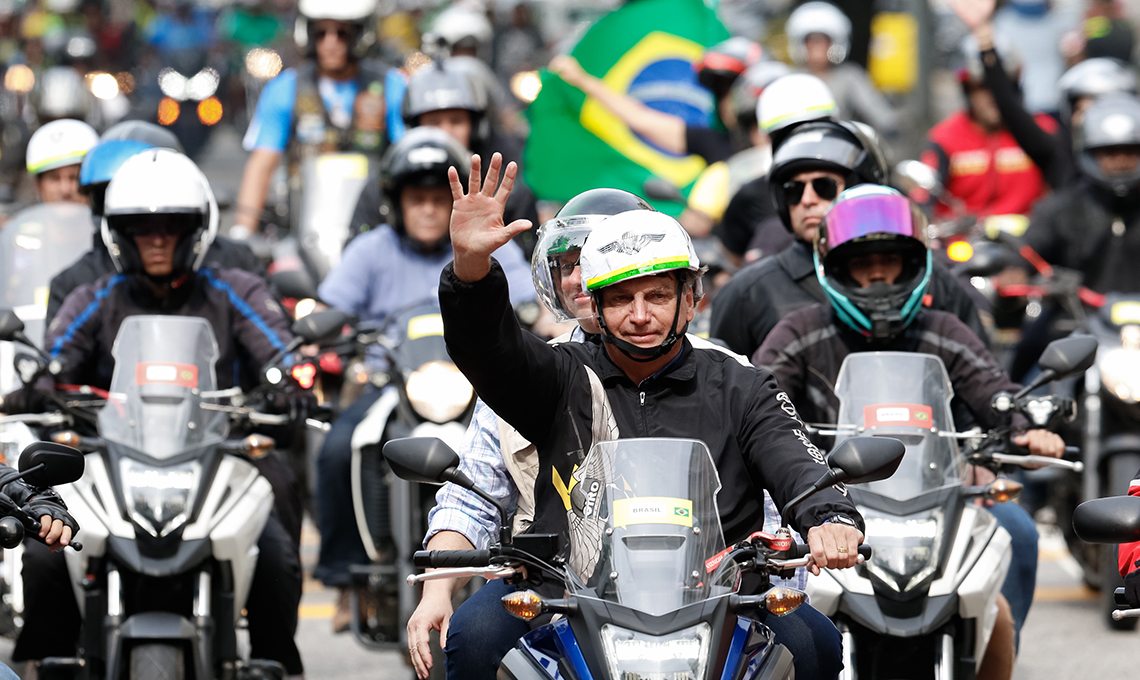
66 437
782 601
960 251
1004 490
168 111
524 604
210 111
258 445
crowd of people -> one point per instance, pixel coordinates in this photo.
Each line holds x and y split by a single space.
794 249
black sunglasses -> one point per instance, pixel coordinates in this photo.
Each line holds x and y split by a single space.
341 33
824 187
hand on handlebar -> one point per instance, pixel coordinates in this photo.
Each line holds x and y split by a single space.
55 533
833 546
1132 589
1041 443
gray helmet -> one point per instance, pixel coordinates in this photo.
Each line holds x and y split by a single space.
443 85
60 93
1112 120
745 92
143 131
1093 78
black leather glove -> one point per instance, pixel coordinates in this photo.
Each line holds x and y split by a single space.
26 400
1132 589
36 502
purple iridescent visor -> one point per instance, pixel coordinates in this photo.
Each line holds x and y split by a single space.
870 211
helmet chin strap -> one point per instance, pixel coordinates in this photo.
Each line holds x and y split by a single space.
641 354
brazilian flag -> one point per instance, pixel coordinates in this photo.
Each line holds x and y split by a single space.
645 48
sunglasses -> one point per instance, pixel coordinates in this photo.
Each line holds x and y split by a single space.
342 34
824 187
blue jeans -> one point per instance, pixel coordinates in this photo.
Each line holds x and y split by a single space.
341 546
1022 577
482 632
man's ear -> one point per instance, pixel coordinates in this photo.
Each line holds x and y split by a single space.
690 305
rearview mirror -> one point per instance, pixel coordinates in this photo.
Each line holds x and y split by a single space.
46 464
1069 356
320 325
662 190
422 459
10 325
1108 520
866 459
912 174
294 283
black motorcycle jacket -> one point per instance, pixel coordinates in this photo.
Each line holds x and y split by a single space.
1085 228
247 322
545 392
746 310
806 350
95 263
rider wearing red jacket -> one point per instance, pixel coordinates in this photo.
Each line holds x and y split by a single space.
1130 558
978 159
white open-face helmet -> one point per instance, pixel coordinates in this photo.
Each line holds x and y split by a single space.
357 12
58 144
157 185
818 17
791 100
462 27
632 245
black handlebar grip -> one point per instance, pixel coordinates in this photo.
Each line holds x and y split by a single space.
865 551
799 550
1119 598
437 559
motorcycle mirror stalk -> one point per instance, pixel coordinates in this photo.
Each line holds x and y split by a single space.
1062 358
857 460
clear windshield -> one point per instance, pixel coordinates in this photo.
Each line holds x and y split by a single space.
35 245
417 333
333 183
644 521
906 396
163 365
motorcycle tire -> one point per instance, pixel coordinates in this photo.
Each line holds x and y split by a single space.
1119 471
157 661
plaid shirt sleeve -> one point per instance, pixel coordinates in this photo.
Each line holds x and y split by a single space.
771 524
481 459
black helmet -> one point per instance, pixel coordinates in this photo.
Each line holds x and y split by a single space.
1112 120
721 64
835 147
567 231
446 85
143 131
421 158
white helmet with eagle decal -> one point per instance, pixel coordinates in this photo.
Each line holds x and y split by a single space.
631 245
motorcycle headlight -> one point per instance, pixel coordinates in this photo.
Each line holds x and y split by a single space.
681 655
907 548
159 499
438 391
1120 374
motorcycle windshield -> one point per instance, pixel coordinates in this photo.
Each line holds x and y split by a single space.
332 185
905 396
35 245
164 365
644 524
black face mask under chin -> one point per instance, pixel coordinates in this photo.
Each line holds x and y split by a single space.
642 354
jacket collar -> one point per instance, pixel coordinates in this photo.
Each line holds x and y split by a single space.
796 260
683 367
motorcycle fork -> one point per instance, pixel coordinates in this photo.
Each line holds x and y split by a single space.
113 621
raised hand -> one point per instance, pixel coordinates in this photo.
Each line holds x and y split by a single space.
477 228
973 13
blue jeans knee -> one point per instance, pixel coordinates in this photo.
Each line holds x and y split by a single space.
813 640
481 633
1021 580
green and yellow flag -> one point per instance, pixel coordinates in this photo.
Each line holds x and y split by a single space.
646 49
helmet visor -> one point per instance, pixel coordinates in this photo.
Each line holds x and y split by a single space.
555 266
859 217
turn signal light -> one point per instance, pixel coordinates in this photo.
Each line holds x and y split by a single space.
168 111
524 604
209 111
960 251
305 374
67 438
1003 490
782 601
258 445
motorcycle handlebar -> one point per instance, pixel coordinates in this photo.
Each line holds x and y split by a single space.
442 559
799 550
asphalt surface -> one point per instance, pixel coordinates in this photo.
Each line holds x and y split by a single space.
1064 636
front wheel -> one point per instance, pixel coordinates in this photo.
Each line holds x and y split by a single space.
157 661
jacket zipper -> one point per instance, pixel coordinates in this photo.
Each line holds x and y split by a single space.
644 424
